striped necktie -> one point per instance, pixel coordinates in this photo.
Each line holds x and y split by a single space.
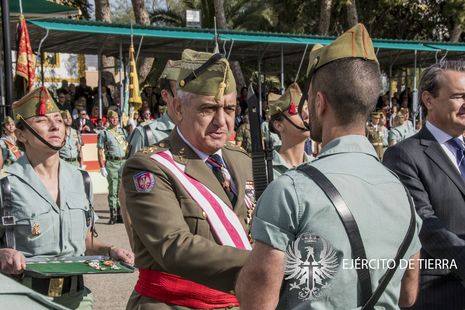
219 170
459 154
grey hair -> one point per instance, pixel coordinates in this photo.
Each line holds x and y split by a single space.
184 96
431 78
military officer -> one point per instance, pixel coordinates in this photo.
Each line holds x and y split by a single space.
159 129
243 137
375 133
112 147
72 150
45 207
190 197
10 151
286 122
302 256
400 130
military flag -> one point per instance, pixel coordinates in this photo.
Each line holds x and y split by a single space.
134 94
25 62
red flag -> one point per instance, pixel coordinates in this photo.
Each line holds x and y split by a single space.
25 62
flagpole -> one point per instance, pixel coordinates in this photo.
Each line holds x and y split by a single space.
21 7
7 57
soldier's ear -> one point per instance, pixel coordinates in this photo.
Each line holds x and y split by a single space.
427 98
177 108
321 103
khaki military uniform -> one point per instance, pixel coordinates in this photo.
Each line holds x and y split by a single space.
170 231
375 135
10 151
280 165
69 152
243 135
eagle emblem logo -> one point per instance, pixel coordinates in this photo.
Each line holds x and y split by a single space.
311 262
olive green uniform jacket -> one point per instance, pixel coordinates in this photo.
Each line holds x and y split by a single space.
170 231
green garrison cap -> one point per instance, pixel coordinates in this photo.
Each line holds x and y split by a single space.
354 43
205 74
171 71
35 103
287 102
111 113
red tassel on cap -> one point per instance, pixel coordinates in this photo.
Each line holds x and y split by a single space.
292 108
43 105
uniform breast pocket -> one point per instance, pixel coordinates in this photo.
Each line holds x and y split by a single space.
38 234
195 218
79 218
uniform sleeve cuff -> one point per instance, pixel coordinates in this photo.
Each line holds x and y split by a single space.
270 234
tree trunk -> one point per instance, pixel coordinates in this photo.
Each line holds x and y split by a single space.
456 32
325 17
221 24
103 14
352 15
142 17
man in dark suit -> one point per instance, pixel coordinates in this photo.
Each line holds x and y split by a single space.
432 165
83 123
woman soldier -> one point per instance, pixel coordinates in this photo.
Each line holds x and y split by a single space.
46 204
9 150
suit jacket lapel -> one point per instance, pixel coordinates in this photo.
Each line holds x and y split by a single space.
195 167
436 153
235 169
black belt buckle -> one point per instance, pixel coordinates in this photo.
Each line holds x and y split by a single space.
8 220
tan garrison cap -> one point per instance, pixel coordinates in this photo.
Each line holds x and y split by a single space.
65 114
354 43
171 71
205 74
376 114
111 114
35 103
287 102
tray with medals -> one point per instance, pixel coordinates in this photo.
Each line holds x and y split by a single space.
46 267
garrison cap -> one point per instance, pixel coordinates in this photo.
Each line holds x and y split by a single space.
7 120
65 114
171 71
376 114
38 102
288 101
354 43
205 74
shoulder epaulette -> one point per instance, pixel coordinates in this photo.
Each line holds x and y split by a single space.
233 147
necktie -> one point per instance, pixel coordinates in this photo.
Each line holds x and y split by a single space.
460 154
219 170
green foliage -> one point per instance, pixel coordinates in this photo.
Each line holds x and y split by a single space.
82 5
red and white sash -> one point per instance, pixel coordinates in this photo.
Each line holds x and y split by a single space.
225 223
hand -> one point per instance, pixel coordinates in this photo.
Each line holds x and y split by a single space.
12 261
122 255
104 172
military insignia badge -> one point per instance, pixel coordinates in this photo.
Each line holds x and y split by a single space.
311 262
35 229
144 181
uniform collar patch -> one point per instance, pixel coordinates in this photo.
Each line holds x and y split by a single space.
144 181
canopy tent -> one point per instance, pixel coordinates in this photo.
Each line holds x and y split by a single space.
88 37
40 9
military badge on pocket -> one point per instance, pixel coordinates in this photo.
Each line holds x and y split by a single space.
35 229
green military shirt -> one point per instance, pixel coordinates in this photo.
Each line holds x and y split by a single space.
10 151
280 165
294 216
44 227
243 135
113 141
70 149
161 128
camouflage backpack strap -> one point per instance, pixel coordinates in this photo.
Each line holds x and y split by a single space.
8 219
149 138
90 215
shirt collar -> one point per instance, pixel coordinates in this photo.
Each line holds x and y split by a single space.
203 156
440 136
348 144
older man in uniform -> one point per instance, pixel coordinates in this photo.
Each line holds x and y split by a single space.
303 257
159 129
112 147
72 150
190 197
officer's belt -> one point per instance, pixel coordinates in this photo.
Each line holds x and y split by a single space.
70 159
114 158
377 143
175 290
8 219
55 287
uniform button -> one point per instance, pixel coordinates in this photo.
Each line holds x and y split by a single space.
204 214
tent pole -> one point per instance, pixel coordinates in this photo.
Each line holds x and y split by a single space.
7 57
100 103
282 70
415 91
120 69
260 86
390 79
